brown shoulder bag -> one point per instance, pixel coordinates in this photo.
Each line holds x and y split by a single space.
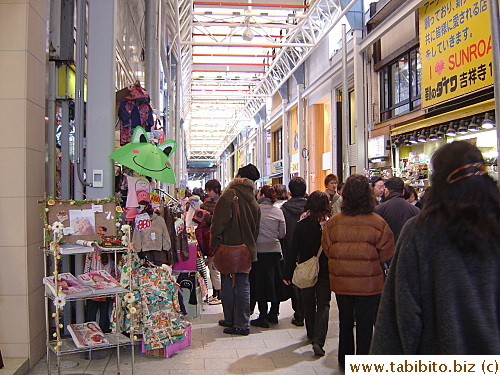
230 259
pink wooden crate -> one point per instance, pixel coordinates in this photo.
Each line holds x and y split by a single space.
174 348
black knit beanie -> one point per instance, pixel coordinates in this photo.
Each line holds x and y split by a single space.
249 171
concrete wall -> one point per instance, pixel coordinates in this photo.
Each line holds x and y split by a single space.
399 36
22 167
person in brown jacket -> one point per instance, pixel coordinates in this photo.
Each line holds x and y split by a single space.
357 241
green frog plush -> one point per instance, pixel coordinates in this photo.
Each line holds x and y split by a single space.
146 158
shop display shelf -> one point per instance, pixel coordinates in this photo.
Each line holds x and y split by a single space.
69 347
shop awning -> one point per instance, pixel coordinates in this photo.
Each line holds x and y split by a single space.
474 109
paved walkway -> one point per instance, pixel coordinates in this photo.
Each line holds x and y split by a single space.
281 349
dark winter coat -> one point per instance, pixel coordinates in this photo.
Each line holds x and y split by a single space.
437 299
292 209
396 211
305 244
225 228
355 246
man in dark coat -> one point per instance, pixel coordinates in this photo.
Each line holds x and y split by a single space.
227 229
395 209
292 209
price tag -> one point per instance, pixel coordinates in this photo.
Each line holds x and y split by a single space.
142 222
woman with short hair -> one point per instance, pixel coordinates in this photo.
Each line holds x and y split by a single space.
357 241
266 276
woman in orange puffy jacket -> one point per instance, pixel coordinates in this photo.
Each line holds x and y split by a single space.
357 241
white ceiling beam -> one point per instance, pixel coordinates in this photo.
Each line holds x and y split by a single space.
245 44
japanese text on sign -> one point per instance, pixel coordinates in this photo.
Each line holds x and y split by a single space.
455 42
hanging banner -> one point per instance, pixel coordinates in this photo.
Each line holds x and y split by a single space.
455 48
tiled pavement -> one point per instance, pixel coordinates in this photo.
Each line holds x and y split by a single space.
281 349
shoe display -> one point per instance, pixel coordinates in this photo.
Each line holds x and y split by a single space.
318 350
259 323
273 319
223 323
237 331
214 301
297 323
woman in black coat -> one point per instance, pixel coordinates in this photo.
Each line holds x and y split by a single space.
306 244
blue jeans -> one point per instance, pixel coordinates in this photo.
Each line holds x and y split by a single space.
316 300
236 300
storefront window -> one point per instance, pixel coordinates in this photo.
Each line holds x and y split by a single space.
486 142
400 85
277 137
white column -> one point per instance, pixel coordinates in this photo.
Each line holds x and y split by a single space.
360 95
101 103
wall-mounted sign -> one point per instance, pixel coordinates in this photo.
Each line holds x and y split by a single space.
294 167
376 147
455 48
277 166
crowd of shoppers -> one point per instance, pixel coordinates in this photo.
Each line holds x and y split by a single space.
441 292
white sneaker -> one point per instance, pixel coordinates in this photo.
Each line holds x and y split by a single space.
214 301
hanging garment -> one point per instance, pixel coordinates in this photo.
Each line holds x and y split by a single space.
139 189
188 281
134 111
172 256
158 316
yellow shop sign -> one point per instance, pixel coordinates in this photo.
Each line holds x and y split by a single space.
455 49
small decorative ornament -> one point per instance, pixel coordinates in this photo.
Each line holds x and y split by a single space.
51 202
57 225
129 297
125 240
72 203
54 334
128 316
119 209
125 228
133 310
61 325
60 301
46 209
118 224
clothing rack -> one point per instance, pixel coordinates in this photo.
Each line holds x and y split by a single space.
172 203
167 194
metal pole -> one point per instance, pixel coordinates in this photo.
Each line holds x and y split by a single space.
151 52
495 41
345 109
81 33
50 181
65 174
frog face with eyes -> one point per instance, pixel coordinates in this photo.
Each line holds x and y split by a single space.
146 158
